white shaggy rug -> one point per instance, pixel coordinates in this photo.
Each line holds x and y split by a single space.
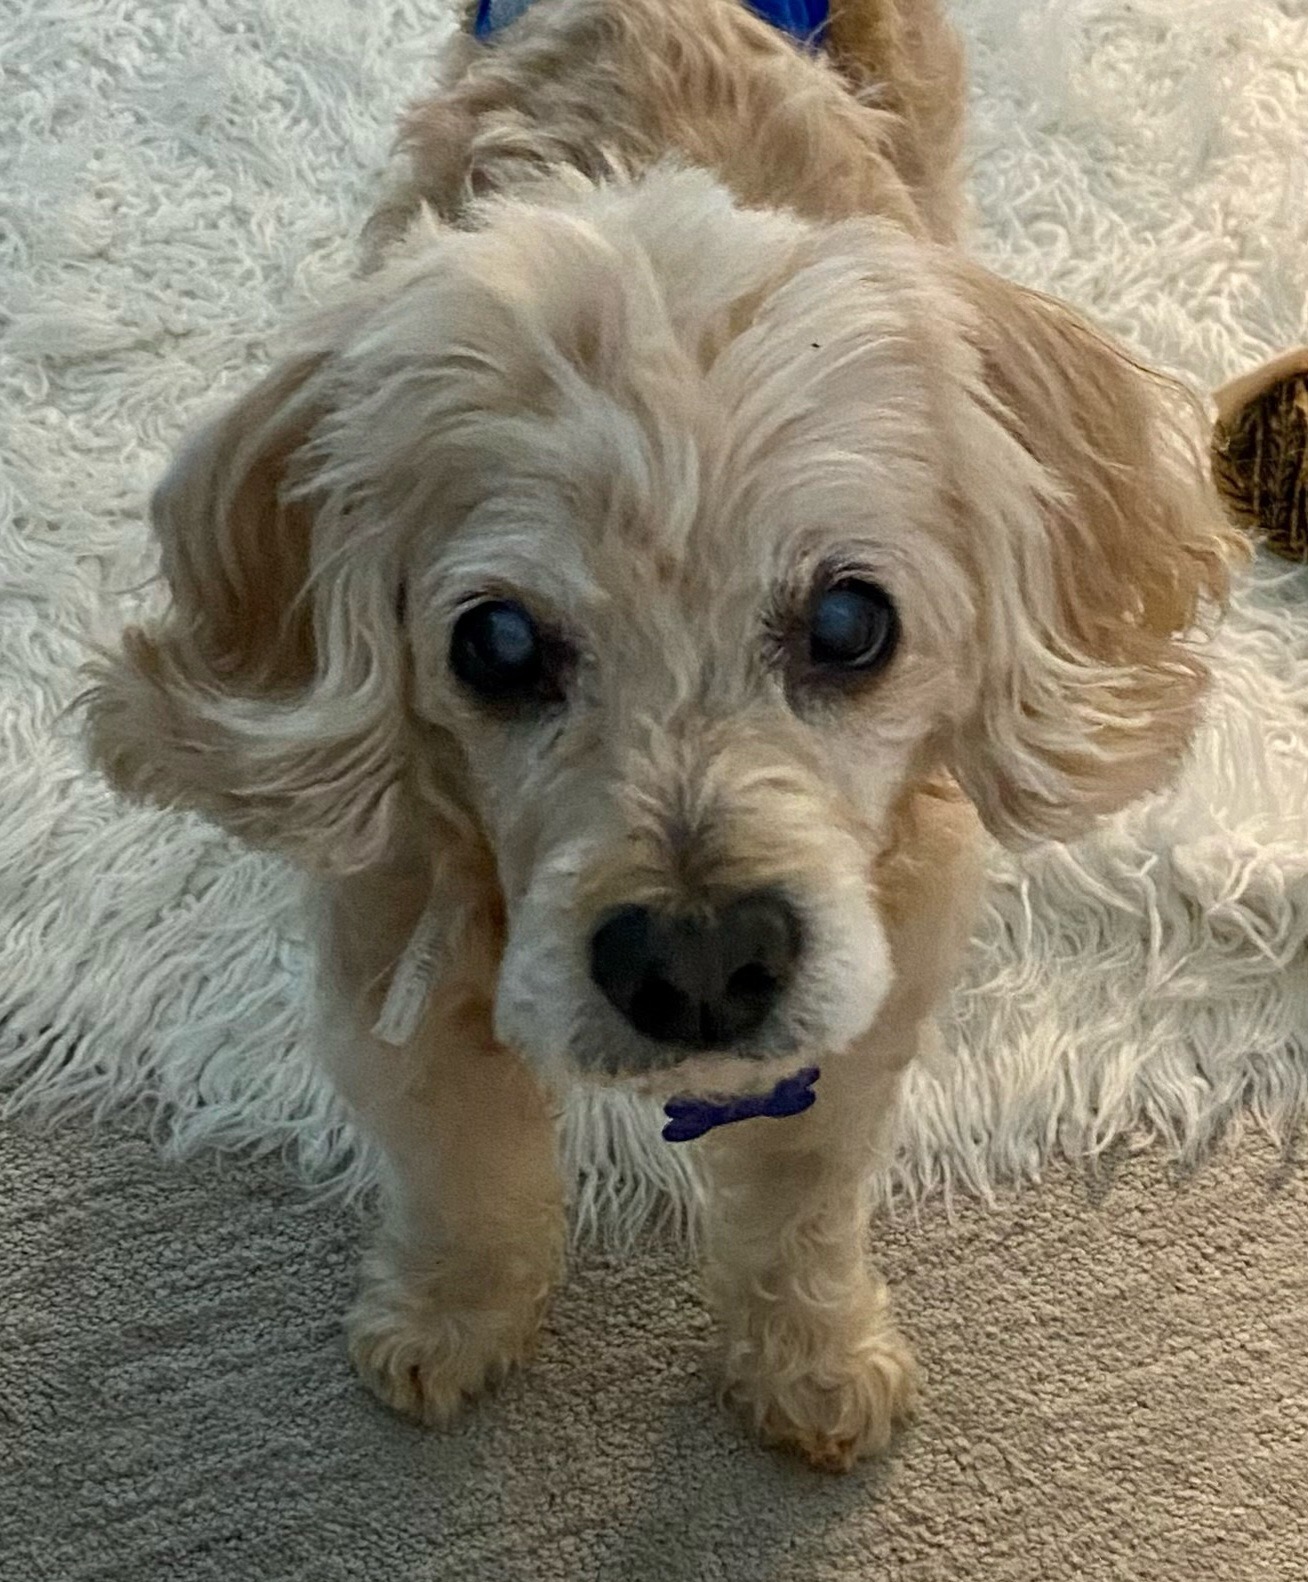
178 175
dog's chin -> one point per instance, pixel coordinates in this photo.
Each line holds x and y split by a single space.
712 1076
601 1054
606 1057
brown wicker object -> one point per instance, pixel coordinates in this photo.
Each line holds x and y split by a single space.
1260 452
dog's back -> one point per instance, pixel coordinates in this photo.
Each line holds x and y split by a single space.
869 124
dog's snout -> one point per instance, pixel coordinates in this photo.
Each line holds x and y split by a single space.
700 981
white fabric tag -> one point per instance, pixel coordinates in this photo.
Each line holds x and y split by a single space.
411 982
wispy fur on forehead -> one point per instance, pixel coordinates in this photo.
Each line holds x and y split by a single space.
617 343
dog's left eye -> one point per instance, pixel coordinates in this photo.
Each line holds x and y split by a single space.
853 626
497 651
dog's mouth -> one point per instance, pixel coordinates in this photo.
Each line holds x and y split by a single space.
702 1094
708 1077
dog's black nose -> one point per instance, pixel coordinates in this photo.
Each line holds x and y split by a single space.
703 980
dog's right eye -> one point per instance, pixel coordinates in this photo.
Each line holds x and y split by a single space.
498 652
853 627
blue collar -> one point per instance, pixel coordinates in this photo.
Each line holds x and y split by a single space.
804 20
689 1118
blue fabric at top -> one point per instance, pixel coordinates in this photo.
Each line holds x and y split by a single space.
805 20
492 15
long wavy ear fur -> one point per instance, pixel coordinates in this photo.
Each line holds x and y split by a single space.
1101 549
268 697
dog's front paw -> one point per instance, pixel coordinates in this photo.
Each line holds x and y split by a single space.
426 1351
830 1391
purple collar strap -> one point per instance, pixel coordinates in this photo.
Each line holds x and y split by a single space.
689 1118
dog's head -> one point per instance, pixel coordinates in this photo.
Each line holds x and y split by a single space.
660 547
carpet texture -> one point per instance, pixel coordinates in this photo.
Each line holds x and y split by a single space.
1116 1390
178 178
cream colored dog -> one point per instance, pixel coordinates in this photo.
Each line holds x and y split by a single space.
639 584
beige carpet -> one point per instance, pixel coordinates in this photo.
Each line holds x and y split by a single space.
1118 1389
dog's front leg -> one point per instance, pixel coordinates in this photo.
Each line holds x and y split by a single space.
812 1354
455 1286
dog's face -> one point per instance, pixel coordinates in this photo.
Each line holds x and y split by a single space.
692 621
662 547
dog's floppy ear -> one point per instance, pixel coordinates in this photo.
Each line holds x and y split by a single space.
269 696
1098 547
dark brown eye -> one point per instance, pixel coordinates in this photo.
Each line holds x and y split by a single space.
497 651
854 626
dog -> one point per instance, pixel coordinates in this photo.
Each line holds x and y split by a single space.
632 599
